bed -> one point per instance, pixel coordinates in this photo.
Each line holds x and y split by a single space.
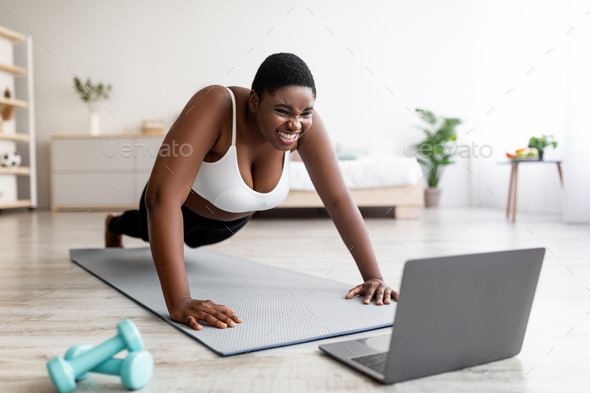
373 181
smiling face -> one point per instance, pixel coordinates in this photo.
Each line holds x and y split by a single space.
282 118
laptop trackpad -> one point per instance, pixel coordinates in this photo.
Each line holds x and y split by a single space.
378 343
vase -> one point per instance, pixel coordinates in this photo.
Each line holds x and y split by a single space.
94 123
540 155
431 196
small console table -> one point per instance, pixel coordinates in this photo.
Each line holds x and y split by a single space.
511 205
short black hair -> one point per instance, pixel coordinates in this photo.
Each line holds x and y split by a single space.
279 70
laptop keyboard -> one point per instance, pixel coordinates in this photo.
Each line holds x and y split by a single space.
376 362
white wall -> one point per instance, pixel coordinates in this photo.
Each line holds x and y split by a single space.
510 38
457 58
576 177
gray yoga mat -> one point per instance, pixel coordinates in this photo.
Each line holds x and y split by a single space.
277 306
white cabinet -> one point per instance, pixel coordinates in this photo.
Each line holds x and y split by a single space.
93 189
105 172
90 154
141 179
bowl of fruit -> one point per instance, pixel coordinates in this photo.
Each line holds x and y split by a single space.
524 154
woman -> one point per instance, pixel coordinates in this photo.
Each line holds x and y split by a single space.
241 141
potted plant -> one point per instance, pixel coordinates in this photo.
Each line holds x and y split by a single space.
91 95
434 152
541 143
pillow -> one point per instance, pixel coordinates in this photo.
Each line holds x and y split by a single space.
351 154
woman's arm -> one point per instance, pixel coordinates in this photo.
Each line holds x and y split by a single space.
171 179
317 153
351 226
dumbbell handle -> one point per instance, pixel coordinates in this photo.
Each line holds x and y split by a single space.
110 367
91 359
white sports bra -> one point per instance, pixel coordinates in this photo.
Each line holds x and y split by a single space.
221 183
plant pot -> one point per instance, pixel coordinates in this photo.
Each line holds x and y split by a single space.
431 196
94 123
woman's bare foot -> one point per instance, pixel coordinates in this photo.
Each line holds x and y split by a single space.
111 239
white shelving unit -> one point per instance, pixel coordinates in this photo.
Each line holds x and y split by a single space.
10 136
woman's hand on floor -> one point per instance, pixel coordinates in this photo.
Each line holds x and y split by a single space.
189 311
374 287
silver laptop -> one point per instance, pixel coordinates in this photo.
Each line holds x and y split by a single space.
453 312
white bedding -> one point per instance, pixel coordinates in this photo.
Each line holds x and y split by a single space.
365 172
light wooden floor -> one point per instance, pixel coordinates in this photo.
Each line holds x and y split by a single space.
48 304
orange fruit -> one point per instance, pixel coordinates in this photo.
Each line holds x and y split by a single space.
511 156
520 150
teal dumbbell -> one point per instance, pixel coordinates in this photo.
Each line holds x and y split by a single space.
64 372
135 370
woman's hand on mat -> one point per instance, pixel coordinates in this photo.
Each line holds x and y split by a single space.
189 311
374 287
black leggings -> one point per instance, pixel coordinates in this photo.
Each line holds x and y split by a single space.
198 230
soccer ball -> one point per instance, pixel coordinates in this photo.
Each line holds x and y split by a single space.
10 159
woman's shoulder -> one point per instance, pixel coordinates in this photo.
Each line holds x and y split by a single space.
238 89
214 92
218 101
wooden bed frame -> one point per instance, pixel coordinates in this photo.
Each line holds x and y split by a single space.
407 200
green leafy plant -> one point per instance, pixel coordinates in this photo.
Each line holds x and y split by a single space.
434 151
541 143
90 93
